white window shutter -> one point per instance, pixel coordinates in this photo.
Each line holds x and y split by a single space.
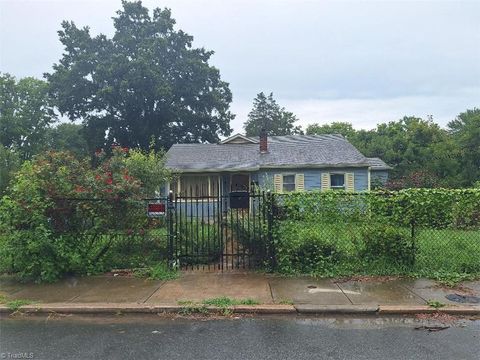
349 182
325 181
278 183
299 182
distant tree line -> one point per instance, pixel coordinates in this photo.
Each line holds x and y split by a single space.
421 153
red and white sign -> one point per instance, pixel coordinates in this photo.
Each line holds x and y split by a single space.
156 209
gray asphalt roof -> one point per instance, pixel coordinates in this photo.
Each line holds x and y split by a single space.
283 152
378 164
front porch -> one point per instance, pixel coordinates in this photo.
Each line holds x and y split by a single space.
205 186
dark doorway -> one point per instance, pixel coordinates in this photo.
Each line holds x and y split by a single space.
240 182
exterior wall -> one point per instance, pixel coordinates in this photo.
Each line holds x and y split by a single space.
313 177
312 181
264 178
378 177
199 209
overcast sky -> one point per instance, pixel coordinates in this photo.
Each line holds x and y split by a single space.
364 62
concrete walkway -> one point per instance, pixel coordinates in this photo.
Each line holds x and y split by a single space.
264 289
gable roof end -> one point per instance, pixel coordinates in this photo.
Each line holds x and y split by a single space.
239 139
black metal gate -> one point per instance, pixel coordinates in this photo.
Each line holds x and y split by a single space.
223 232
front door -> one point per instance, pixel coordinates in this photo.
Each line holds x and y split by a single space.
240 182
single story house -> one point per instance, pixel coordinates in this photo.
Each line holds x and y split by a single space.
279 163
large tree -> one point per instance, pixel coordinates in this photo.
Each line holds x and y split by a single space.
411 145
25 114
145 83
465 130
267 114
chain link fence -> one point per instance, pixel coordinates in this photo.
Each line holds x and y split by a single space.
378 233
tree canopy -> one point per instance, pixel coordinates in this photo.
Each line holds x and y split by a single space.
465 130
145 83
269 115
25 114
343 128
9 163
421 153
67 137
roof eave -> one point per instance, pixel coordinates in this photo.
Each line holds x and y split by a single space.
273 166
315 166
378 168
212 170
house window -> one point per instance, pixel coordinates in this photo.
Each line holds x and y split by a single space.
197 186
337 181
288 183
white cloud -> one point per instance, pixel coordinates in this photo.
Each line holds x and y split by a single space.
367 113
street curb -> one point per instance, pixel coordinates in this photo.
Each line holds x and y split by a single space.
335 309
134 308
264 309
424 309
146 309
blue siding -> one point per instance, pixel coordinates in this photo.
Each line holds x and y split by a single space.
361 179
312 180
313 177
378 177
199 209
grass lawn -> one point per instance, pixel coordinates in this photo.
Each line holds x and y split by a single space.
449 250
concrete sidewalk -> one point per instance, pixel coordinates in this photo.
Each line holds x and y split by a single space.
307 293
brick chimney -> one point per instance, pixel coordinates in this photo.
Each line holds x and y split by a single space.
263 141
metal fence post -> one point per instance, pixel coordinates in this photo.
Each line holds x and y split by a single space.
170 219
271 242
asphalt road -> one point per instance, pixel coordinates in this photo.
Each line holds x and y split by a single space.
246 338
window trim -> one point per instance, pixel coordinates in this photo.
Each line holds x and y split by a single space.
294 182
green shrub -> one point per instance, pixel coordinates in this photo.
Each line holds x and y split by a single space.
326 206
389 243
138 250
48 230
314 254
303 248
433 208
